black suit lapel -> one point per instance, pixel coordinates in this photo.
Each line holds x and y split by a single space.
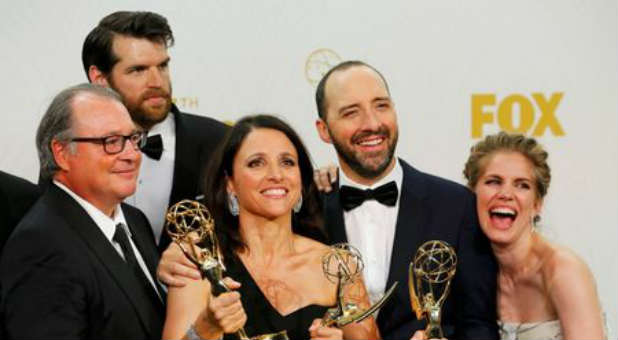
186 167
333 216
81 223
411 223
186 158
409 231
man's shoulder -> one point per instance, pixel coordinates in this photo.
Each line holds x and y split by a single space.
433 184
17 195
200 131
40 237
42 225
13 186
199 121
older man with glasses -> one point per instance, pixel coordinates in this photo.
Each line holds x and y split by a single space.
81 263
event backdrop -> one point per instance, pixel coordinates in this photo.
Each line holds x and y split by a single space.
458 70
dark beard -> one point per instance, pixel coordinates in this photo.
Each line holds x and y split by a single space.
139 116
145 120
356 164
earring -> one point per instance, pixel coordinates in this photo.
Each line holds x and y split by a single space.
298 204
535 220
232 204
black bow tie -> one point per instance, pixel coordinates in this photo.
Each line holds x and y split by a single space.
352 197
153 147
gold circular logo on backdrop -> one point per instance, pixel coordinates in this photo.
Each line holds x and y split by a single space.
318 63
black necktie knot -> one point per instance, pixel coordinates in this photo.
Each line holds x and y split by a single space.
153 147
353 197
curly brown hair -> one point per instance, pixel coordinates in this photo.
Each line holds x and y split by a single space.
502 141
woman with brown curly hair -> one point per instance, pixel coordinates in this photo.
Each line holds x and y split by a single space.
545 291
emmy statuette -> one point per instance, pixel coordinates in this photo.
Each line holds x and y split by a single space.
431 273
190 225
342 265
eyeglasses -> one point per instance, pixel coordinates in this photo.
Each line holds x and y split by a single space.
115 144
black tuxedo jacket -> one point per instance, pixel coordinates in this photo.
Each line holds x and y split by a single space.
432 208
197 138
61 278
16 197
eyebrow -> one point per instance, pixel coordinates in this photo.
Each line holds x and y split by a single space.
517 179
253 156
283 154
166 61
119 133
135 66
380 99
262 154
348 107
377 99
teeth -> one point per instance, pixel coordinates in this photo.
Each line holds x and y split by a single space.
503 211
274 192
371 142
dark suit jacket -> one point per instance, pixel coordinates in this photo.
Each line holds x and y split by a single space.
16 197
61 278
197 138
432 208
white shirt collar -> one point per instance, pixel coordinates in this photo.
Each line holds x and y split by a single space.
396 175
104 222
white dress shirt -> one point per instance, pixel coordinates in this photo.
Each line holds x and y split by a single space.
370 228
108 227
154 184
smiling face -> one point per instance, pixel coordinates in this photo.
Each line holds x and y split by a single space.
266 176
102 179
360 122
506 197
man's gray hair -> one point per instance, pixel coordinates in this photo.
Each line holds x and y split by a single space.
57 123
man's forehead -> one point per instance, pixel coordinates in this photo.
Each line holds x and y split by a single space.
124 46
355 81
84 100
96 114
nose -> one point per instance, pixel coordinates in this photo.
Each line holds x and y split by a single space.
155 79
274 172
506 192
371 121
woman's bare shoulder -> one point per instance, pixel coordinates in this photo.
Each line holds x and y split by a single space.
561 261
572 289
563 269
